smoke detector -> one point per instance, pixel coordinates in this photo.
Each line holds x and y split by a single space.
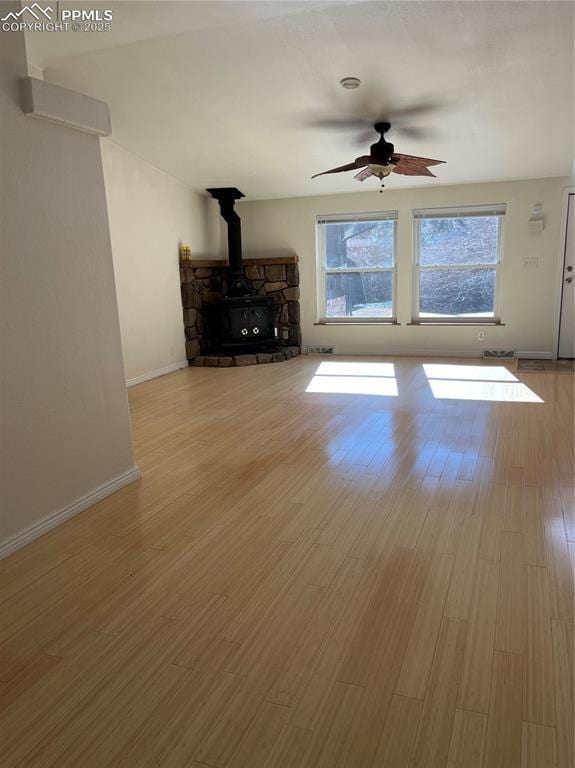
350 83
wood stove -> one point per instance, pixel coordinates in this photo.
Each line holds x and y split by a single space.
241 320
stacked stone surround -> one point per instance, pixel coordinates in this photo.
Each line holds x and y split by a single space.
204 282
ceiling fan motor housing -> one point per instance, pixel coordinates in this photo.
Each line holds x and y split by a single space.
382 150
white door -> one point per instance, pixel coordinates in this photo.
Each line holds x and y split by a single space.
567 324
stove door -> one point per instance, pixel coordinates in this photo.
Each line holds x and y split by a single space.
239 323
261 323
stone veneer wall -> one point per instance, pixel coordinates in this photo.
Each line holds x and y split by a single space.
204 282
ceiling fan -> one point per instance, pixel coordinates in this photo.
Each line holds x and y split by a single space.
383 160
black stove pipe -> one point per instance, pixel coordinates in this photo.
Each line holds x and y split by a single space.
226 197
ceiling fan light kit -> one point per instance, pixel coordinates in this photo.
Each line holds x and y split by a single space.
381 171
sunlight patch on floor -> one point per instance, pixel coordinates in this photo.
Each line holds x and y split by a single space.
489 383
351 378
468 372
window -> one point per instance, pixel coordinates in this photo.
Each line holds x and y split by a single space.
356 268
457 259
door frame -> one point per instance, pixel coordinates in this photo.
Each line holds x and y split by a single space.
561 268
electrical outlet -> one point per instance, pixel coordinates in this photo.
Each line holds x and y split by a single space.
480 335
530 262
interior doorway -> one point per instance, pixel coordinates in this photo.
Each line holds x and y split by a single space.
566 345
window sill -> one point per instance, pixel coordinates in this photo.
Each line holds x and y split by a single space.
372 321
451 323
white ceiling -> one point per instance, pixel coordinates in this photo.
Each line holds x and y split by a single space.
217 93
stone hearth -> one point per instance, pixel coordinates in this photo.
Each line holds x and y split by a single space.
257 358
203 283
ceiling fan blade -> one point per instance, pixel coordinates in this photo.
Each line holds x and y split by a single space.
410 131
364 174
348 167
406 170
422 160
338 123
411 165
413 110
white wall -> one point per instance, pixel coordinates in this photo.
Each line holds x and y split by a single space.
271 227
66 427
150 213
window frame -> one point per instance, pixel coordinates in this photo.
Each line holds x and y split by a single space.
322 270
471 211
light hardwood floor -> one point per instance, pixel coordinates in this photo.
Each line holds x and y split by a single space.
323 579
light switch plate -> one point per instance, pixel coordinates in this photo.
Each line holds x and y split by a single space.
530 262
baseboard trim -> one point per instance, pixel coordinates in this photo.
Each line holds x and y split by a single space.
36 530
535 355
437 353
434 353
408 353
154 374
